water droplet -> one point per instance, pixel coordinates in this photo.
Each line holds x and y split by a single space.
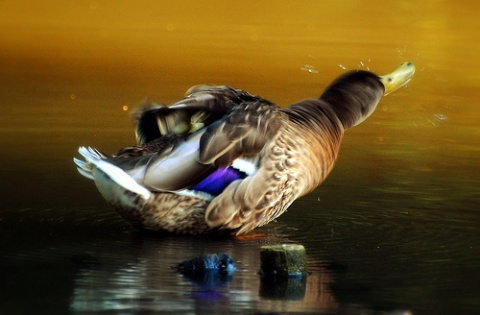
441 117
309 69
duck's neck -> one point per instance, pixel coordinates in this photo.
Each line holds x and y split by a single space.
316 116
354 96
317 132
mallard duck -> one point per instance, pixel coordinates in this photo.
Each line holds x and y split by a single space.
224 160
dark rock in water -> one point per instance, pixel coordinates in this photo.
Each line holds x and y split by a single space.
285 260
283 270
208 271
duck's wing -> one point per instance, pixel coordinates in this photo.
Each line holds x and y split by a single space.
202 105
179 161
243 132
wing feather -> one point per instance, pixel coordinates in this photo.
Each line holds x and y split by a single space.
201 106
245 131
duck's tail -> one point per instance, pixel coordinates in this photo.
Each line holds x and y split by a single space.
92 157
118 188
107 176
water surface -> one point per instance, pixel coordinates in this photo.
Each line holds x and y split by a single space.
393 230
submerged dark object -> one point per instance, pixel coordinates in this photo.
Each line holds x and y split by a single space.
209 271
278 288
213 262
224 160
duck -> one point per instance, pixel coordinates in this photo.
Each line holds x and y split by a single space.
222 160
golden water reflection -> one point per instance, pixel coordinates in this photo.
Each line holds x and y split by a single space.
405 188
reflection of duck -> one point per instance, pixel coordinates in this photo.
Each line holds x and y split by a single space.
224 160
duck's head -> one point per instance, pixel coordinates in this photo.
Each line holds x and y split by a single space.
355 95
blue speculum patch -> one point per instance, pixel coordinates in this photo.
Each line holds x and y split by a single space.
217 181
